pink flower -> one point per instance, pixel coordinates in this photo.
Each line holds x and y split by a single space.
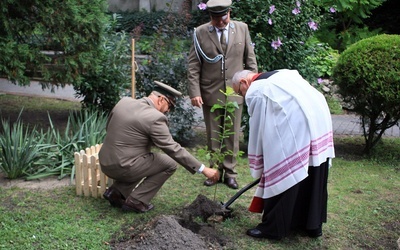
296 11
276 44
202 6
313 25
271 9
319 80
298 4
269 21
332 10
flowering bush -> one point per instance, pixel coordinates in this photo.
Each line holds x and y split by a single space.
280 31
345 21
202 6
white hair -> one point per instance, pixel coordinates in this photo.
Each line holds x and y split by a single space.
238 76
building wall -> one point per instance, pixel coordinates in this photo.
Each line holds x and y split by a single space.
148 5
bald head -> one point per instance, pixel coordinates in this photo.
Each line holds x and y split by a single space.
241 81
239 75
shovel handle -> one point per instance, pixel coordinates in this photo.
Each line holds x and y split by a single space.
240 192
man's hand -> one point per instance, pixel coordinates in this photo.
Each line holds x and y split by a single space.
197 101
212 174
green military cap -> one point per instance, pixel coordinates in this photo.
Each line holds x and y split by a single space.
168 91
218 7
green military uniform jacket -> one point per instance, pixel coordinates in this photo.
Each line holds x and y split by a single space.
206 79
133 127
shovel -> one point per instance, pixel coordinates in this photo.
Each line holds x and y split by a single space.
239 193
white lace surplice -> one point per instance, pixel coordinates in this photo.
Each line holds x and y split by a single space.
290 130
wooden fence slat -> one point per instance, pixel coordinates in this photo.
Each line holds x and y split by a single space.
85 165
90 180
103 180
93 172
78 173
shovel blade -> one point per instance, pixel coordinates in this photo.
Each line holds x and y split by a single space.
239 193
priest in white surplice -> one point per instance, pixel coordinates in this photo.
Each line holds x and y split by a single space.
290 150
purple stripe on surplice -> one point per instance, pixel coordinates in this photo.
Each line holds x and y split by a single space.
321 144
291 164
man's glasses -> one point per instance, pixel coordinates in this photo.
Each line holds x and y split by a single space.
170 105
239 91
219 18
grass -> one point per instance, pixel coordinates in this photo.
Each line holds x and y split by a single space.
363 208
14 103
36 111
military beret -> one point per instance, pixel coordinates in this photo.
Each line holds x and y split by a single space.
218 7
168 91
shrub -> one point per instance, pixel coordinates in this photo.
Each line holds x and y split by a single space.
20 148
368 77
34 154
344 23
141 21
84 129
280 30
53 40
322 58
168 65
167 62
198 18
103 85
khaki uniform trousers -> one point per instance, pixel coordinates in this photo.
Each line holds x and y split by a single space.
144 179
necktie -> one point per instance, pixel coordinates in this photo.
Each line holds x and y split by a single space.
222 40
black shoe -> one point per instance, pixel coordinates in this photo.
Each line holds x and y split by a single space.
115 197
210 182
133 205
254 232
315 233
231 182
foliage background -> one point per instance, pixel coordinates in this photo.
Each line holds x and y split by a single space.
70 31
274 20
346 25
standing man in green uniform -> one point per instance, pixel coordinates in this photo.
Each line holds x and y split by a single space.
220 48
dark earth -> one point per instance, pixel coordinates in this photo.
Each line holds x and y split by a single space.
191 228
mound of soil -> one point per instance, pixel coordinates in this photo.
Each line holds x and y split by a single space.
182 231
